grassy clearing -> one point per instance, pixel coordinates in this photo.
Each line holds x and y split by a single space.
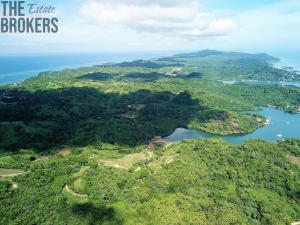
65 152
81 171
10 172
127 161
79 184
294 159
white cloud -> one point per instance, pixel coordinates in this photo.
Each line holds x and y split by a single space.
159 25
159 16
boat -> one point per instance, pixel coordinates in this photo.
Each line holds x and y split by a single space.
268 122
279 135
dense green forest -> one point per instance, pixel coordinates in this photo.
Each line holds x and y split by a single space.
193 182
82 146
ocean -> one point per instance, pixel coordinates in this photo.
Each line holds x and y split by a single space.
18 68
288 59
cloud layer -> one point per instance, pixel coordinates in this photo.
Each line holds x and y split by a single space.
176 17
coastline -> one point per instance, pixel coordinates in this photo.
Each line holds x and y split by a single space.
87 60
287 62
20 75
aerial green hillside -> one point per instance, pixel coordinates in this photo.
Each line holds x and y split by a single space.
83 146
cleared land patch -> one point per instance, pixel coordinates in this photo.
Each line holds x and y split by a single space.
81 171
127 161
294 159
10 172
65 152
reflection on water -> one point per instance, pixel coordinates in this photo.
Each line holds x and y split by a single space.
282 125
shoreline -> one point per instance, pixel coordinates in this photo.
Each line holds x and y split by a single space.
284 62
18 77
181 133
9 78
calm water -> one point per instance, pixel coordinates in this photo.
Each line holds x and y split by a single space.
284 125
288 59
18 68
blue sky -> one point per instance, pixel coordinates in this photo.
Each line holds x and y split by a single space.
238 4
164 26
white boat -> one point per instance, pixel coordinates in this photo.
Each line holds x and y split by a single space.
268 122
279 135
